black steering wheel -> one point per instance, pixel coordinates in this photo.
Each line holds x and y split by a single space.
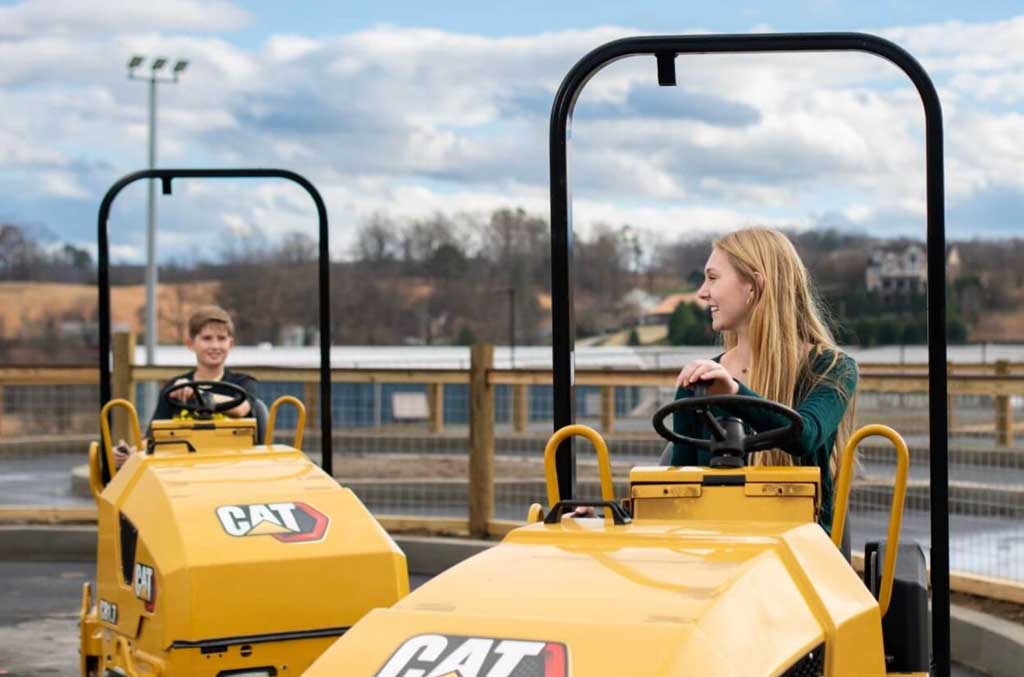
730 443
202 403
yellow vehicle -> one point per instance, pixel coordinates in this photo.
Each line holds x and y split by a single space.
221 556
720 570
220 553
699 571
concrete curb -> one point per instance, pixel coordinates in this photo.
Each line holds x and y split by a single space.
986 643
430 556
379 494
992 645
77 543
38 543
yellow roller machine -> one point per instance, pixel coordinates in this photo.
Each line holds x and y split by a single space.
219 552
699 571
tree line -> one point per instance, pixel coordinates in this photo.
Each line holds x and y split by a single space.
446 279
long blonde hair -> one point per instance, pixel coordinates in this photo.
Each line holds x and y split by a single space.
786 319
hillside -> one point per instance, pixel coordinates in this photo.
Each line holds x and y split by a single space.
27 308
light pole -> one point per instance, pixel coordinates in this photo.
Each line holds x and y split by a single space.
153 77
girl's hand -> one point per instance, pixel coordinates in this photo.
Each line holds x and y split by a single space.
122 452
712 374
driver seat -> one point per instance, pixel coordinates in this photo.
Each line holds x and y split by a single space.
259 412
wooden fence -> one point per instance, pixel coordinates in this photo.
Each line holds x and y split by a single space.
1000 380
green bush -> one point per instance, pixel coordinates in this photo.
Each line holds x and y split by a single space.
689 326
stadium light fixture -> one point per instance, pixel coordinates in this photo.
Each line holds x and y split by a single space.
153 79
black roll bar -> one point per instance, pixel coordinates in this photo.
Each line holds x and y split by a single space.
665 49
165 176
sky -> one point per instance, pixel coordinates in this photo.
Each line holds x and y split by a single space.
410 109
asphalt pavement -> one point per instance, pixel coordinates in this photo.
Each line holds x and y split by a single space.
39 617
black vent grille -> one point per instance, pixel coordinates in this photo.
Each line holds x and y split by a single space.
129 538
811 665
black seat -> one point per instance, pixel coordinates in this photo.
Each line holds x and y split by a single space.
259 412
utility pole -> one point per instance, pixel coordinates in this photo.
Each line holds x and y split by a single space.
156 65
512 326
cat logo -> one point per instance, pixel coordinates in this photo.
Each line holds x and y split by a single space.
142 583
287 522
108 612
460 656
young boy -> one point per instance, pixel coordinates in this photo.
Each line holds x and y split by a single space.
211 335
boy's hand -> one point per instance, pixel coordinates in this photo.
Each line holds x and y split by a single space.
181 394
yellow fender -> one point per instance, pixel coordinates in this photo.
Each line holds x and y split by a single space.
899 493
604 463
133 418
272 419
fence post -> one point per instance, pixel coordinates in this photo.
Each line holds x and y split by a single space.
481 439
520 407
1 410
1004 410
607 409
435 400
124 361
310 393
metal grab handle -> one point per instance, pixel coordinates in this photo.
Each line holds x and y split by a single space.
272 419
153 444
95 471
618 515
123 652
603 462
899 493
133 418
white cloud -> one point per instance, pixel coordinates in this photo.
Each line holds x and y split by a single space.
61 184
73 17
411 121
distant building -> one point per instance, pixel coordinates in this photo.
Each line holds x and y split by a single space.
292 335
662 313
903 270
636 304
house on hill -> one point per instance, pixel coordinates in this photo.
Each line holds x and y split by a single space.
902 270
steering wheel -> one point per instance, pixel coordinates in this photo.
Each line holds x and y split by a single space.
201 403
730 443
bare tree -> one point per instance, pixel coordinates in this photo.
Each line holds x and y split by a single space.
378 240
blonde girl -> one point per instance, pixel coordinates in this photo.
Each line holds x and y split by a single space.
779 348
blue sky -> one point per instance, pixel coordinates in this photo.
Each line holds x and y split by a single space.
408 108
495 19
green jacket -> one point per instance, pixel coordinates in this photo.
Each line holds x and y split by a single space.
821 407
